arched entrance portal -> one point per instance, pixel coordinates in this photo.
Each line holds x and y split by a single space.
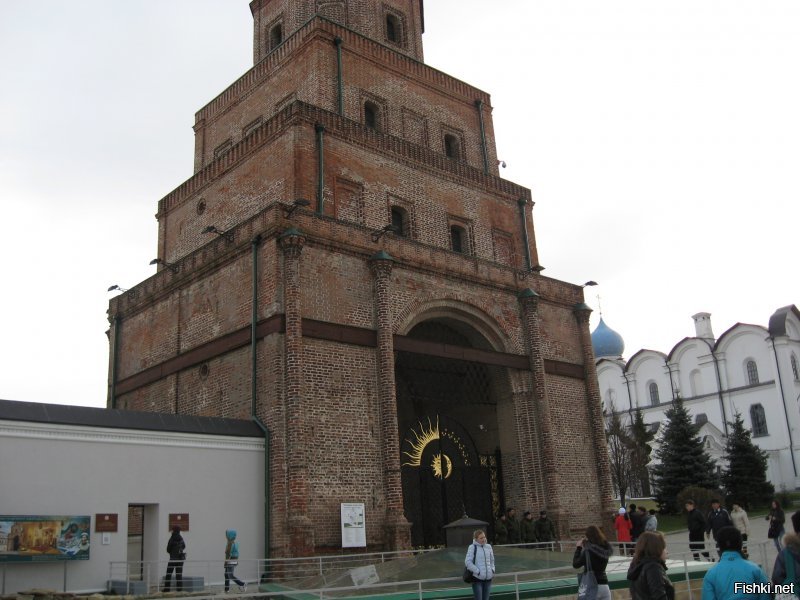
450 438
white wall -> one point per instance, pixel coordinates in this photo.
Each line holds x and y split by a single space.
50 469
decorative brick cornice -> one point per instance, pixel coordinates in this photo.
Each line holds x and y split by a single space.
582 312
292 242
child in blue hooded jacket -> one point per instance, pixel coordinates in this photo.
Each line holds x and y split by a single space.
231 560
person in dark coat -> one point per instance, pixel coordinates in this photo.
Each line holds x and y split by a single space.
513 526
527 529
176 548
595 548
791 551
637 522
696 523
501 529
544 528
796 521
776 518
648 569
718 518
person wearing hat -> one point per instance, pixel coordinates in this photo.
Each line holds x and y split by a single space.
231 560
501 529
623 526
728 577
527 529
544 529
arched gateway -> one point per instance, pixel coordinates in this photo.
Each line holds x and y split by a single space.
450 412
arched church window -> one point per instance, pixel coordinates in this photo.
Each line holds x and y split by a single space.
654 398
758 420
371 115
752 372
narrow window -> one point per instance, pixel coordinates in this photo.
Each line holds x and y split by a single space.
452 148
752 372
223 148
759 420
275 36
795 370
654 399
457 239
393 28
701 419
371 115
400 220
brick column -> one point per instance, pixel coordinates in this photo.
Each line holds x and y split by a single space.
595 411
398 529
301 535
533 338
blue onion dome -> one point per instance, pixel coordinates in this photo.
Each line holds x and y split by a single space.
606 342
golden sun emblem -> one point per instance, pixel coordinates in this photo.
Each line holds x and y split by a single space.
424 437
436 465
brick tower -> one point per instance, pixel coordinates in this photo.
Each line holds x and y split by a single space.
346 266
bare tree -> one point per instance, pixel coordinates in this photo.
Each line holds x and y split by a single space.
620 453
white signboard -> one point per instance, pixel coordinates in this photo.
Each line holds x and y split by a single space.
354 532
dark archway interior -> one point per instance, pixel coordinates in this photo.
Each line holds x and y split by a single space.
449 407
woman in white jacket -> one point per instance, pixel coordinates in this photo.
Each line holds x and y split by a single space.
480 562
742 523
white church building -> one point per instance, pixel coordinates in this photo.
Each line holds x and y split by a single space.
749 369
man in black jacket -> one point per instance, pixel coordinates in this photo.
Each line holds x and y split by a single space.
176 548
718 518
697 528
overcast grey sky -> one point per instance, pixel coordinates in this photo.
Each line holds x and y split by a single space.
661 141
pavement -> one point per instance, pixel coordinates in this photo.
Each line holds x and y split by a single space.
761 549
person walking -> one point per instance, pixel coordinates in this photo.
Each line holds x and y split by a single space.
623 525
696 523
718 518
592 553
231 560
480 562
651 524
637 521
176 548
723 580
648 569
742 523
776 518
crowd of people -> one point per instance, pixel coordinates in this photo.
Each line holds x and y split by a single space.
732 576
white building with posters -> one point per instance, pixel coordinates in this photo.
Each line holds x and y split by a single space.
749 369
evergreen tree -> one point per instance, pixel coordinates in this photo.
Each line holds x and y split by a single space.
745 479
682 460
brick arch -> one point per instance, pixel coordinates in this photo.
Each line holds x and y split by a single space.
454 308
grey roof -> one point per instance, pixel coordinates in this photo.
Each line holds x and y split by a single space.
777 322
35 412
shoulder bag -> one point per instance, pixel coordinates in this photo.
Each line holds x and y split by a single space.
587 582
468 577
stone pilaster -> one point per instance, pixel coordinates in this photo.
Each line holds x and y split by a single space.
398 529
595 410
533 337
301 534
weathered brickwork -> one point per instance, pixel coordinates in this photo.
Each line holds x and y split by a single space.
361 333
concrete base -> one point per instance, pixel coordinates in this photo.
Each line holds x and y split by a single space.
118 586
190 584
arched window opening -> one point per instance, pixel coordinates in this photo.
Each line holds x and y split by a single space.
371 115
795 370
275 36
654 398
400 221
458 239
393 29
452 147
752 372
700 419
758 419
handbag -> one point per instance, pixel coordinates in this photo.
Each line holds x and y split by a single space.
587 582
788 560
468 577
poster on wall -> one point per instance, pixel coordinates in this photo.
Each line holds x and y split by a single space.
44 538
354 532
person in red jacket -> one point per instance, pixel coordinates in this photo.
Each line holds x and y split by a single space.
623 525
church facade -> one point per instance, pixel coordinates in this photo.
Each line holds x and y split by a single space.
750 369
346 268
